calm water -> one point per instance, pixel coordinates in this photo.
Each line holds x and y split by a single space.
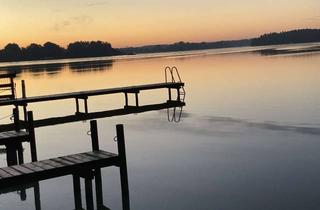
249 137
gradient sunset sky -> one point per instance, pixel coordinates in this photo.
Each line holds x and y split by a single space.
140 22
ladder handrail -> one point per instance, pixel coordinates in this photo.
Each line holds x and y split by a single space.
172 70
176 114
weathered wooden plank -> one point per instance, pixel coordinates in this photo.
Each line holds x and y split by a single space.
52 163
43 165
41 170
4 174
71 159
32 167
12 171
62 161
98 154
83 158
22 169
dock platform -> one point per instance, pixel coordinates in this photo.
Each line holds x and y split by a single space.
85 165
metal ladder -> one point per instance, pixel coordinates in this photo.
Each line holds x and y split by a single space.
172 75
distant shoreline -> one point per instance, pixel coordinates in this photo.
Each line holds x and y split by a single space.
263 50
84 50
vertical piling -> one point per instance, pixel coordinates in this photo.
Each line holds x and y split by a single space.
77 106
123 168
169 92
32 137
94 135
16 120
24 95
77 192
137 99
89 194
126 99
11 154
86 105
37 199
97 171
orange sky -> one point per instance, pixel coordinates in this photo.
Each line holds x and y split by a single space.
130 23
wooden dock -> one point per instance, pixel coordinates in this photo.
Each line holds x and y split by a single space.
84 95
85 165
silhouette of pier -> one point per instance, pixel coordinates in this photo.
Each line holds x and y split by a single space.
85 165
20 176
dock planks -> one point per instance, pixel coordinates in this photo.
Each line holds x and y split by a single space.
55 167
84 94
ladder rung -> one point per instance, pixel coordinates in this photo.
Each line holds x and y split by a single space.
5 85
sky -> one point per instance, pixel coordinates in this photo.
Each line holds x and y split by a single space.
141 22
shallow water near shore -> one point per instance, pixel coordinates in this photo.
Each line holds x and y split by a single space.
249 136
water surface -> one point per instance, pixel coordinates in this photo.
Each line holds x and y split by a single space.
249 137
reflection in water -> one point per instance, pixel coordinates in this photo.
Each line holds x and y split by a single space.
88 66
55 68
276 51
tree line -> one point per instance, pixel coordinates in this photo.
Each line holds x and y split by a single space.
288 37
49 50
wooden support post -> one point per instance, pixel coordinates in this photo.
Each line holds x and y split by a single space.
89 193
24 95
94 135
11 154
20 153
126 99
99 192
32 137
169 91
178 94
37 199
123 168
12 88
77 192
137 99
16 120
77 106
23 195
86 105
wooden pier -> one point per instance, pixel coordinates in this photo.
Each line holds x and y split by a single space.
84 95
82 165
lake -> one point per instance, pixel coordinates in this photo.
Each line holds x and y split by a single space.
248 138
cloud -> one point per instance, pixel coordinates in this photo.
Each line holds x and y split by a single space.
77 20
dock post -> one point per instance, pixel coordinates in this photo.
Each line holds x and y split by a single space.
169 91
123 168
137 99
77 192
126 99
20 153
89 194
16 120
97 171
13 93
94 135
77 106
11 154
178 94
33 147
37 199
24 95
86 104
